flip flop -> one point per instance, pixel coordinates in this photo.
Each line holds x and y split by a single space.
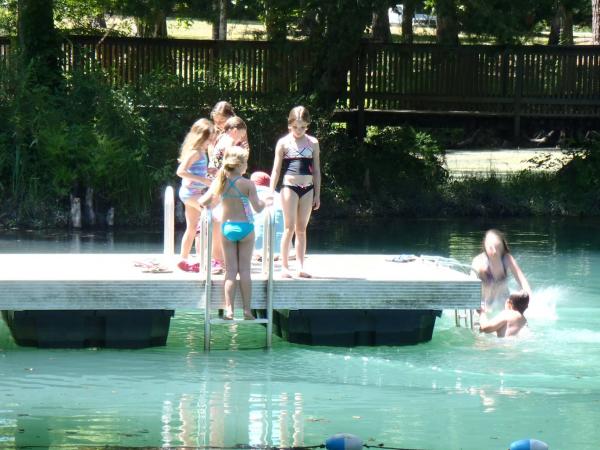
157 269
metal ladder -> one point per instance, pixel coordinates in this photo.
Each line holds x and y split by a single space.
267 270
465 315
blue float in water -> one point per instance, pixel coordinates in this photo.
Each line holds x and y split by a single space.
344 441
528 444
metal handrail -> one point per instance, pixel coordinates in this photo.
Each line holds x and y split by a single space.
169 222
205 269
205 245
268 256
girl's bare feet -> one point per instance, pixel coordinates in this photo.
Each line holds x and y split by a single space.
303 274
249 316
285 273
228 314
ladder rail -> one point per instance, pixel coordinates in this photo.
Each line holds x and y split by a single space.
269 242
205 269
205 245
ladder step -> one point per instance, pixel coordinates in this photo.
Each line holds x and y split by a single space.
237 321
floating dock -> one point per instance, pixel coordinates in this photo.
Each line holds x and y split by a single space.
348 298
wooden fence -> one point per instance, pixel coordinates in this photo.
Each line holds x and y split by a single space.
502 81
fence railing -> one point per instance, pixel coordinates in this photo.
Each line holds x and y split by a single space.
501 80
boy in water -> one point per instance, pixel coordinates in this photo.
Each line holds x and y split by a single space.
510 321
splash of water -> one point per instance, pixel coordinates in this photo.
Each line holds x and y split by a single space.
542 304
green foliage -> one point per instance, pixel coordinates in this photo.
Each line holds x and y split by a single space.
580 178
395 171
8 17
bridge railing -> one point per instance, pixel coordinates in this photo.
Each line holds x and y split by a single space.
528 80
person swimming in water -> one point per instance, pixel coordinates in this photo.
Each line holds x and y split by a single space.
511 320
492 267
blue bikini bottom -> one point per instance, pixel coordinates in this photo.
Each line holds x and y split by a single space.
236 231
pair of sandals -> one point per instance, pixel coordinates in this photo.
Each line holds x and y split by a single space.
152 267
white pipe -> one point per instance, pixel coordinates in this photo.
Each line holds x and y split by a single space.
169 222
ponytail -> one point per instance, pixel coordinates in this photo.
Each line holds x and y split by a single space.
233 158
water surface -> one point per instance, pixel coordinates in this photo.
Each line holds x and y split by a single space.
462 390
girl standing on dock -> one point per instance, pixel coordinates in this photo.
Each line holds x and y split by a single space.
231 130
236 194
297 154
193 170
492 266
219 115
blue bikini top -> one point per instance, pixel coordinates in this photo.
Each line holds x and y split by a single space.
243 198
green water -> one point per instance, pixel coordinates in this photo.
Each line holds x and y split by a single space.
462 390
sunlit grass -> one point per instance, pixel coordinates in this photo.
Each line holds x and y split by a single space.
253 30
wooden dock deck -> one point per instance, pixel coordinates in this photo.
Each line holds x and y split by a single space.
341 281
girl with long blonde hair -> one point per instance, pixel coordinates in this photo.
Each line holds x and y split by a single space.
236 194
193 170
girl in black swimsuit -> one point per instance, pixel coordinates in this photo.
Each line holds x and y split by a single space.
297 154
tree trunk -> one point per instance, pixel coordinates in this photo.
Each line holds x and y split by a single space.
334 49
38 42
308 25
596 22
566 37
153 25
222 20
408 13
447 23
555 26
380 25
215 21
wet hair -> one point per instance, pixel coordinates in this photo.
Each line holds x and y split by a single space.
233 158
235 122
199 133
222 108
500 235
299 113
519 300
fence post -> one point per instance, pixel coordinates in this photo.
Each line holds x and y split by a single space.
518 96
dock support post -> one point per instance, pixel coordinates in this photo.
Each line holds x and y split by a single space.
169 222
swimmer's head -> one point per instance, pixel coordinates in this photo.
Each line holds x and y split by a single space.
494 243
519 301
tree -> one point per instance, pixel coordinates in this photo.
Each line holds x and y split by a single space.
219 22
596 22
38 42
275 18
334 44
150 15
408 12
447 22
8 17
516 20
380 25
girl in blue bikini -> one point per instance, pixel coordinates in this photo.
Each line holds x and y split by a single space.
297 156
193 170
236 194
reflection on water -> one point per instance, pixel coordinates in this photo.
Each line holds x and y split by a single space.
461 390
